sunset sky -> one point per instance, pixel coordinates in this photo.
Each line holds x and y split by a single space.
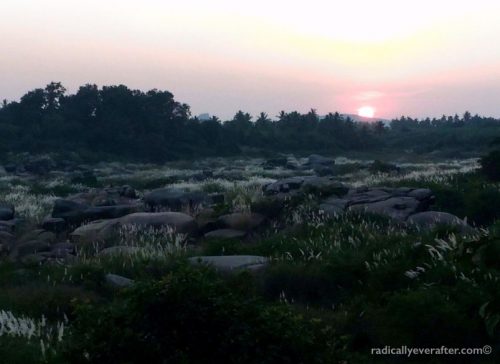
418 58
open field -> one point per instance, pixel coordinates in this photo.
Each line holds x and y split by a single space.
352 256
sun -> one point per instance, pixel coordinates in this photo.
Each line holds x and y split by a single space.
366 111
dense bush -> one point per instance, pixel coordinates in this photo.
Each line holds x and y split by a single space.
192 316
490 165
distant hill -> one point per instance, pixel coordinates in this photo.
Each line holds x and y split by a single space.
358 118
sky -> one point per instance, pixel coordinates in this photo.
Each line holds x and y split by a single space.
417 58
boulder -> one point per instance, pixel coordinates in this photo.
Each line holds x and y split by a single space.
175 199
230 263
6 240
76 213
118 281
397 208
316 160
284 185
367 195
27 248
292 163
95 231
313 183
128 191
63 248
431 219
38 234
225 234
421 194
244 221
54 224
182 223
105 230
8 225
70 211
110 212
6 212
33 259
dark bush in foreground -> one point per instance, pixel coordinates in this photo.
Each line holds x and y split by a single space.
194 317
490 165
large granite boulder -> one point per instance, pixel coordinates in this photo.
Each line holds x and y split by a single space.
105 230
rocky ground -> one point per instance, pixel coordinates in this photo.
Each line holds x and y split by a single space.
352 253
217 199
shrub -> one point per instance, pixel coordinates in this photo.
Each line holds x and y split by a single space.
490 165
194 317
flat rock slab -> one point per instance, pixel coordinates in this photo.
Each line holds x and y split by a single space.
226 234
230 263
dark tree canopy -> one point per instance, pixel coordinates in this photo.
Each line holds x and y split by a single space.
115 122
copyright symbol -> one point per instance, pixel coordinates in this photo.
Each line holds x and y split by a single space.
487 349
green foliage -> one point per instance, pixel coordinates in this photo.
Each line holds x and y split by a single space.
423 318
15 350
465 195
490 165
115 122
192 316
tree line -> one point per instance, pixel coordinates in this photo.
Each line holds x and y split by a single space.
115 122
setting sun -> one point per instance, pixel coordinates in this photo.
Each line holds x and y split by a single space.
366 112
